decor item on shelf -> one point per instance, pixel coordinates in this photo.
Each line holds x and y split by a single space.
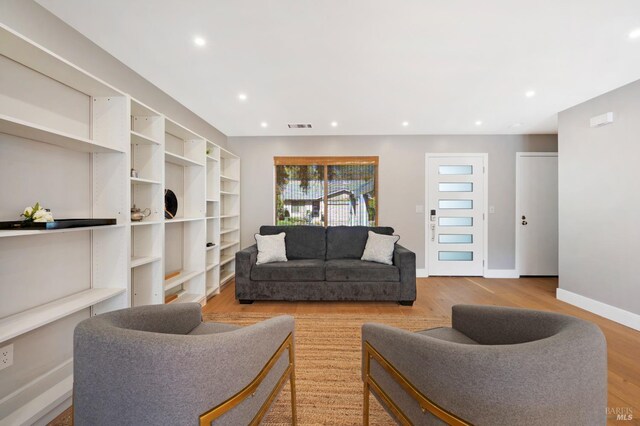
134 173
170 298
57 224
210 244
137 215
170 204
208 151
37 213
171 275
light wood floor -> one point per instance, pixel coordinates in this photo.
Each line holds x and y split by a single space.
436 295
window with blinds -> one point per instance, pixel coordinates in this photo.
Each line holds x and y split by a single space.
326 191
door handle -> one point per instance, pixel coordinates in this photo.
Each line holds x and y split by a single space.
433 232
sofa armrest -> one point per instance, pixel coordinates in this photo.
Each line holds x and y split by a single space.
405 260
245 259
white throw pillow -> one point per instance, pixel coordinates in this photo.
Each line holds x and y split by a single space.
380 248
271 248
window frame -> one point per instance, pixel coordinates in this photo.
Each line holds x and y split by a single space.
327 161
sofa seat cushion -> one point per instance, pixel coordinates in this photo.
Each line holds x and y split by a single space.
360 270
212 328
449 334
293 270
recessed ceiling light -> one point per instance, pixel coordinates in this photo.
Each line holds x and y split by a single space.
479 123
634 34
405 123
334 124
199 41
242 96
530 93
264 124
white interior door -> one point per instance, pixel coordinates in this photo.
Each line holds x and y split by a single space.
537 213
455 214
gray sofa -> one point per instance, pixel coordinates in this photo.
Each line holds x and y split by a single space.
495 366
324 264
161 365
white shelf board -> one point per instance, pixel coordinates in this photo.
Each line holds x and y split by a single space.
151 222
211 247
141 181
228 179
227 230
28 232
183 219
212 290
140 139
210 158
212 217
179 130
211 266
226 216
180 160
33 410
211 200
227 244
27 130
23 322
226 259
228 193
138 109
139 261
36 57
183 277
227 154
226 277
189 298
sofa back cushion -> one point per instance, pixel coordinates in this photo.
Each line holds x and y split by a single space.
348 242
302 242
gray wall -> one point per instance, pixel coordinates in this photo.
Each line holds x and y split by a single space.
599 175
401 176
33 21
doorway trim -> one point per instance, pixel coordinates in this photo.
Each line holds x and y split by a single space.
485 212
519 198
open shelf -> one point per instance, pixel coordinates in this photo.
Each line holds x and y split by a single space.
139 261
211 247
226 277
183 219
227 244
140 181
180 160
211 266
227 230
210 158
225 216
228 193
24 129
36 57
183 277
228 179
226 259
150 222
28 232
211 290
140 139
23 322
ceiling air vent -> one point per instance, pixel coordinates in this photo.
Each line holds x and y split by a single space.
299 126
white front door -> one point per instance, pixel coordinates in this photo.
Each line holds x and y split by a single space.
455 214
537 213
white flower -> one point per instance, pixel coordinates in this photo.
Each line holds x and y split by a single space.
42 216
28 211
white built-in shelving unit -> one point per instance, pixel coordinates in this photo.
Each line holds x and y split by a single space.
69 141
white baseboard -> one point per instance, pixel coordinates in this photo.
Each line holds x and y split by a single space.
607 311
501 273
421 273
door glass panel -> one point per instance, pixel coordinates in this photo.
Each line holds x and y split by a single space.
455 204
455 239
455 170
464 256
455 221
455 187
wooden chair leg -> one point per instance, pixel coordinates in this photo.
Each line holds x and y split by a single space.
365 405
292 384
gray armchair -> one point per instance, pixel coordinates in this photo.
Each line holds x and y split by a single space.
495 366
161 365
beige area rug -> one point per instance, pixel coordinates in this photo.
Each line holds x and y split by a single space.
328 357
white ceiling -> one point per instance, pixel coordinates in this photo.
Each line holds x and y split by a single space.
369 65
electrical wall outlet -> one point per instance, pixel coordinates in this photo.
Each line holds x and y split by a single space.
6 356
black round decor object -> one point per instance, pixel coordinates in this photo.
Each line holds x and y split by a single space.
170 204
